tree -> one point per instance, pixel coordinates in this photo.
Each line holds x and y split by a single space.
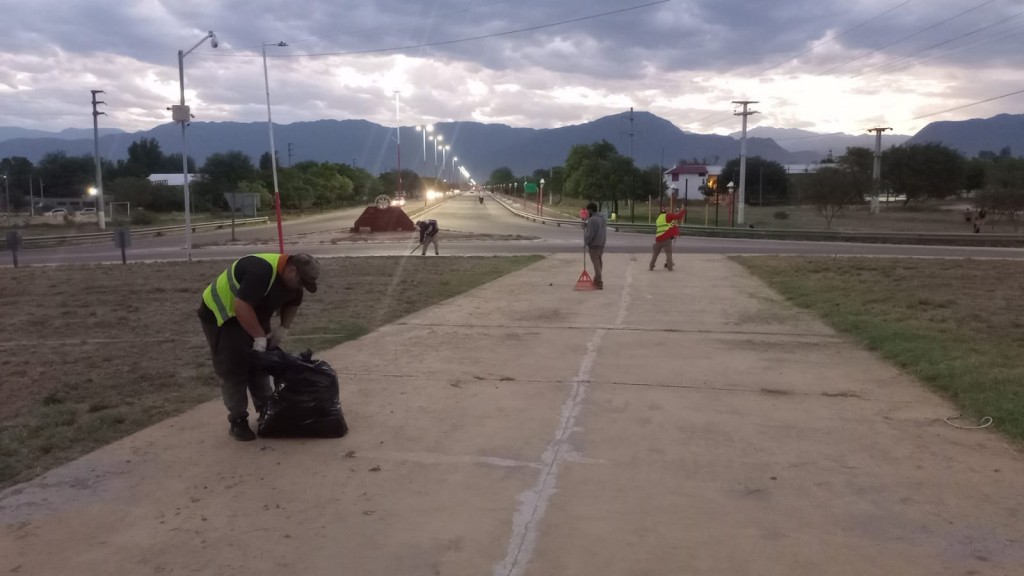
144 158
831 190
767 181
923 171
501 175
67 176
227 169
18 170
265 162
1004 192
974 175
858 159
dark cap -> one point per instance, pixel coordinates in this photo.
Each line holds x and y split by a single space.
592 207
308 269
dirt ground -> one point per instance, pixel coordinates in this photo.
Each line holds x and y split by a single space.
93 353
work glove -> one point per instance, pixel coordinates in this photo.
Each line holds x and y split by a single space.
260 344
277 335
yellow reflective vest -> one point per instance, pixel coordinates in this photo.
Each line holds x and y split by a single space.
220 295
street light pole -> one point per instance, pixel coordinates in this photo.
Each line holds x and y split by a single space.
273 152
182 114
454 176
398 139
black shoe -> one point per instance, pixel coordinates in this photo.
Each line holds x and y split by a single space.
240 431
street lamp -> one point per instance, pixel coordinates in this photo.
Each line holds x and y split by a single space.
7 190
398 140
732 201
444 156
455 175
273 153
183 114
425 129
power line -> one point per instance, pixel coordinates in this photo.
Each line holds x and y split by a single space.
837 36
455 41
921 31
969 105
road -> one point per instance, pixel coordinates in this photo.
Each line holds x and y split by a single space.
465 214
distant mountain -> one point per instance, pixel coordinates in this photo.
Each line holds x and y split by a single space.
12 132
482 147
796 140
972 136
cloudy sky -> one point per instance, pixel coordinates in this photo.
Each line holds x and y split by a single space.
824 65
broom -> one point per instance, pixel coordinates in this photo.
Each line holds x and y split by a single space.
585 282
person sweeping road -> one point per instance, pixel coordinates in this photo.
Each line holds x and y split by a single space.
428 235
667 230
235 315
595 232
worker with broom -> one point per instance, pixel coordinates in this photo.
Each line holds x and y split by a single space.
428 235
595 232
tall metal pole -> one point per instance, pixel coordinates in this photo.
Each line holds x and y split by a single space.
96 153
7 190
31 198
740 212
183 115
398 139
273 152
184 159
876 173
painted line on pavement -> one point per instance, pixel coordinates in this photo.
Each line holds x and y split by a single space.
533 503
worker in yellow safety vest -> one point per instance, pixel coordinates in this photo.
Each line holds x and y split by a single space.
667 230
235 315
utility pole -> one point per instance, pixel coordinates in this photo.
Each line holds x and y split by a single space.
740 212
876 173
96 153
31 196
289 154
398 140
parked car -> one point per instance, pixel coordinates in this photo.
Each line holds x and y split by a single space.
56 212
87 212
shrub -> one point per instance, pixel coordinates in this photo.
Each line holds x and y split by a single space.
143 218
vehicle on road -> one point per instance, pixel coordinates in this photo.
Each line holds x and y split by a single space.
398 201
87 212
57 212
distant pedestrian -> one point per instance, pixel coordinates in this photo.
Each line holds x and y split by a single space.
595 233
583 214
968 216
977 223
428 235
667 230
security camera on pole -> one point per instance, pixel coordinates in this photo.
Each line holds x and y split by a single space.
742 200
183 115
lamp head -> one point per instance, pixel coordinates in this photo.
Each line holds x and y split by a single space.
213 40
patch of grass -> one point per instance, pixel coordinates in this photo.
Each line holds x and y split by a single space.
957 325
90 354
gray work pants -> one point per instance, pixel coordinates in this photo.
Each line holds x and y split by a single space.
597 257
427 242
230 346
665 245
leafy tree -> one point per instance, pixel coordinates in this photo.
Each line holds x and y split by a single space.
142 193
67 176
767 181
144 158
858 159
227 169
831 190
265 161
18 170
501 176
1004 193
974 175
923 171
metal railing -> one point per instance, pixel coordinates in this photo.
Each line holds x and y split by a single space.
70 238
926 238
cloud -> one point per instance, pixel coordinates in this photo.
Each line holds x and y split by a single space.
825 65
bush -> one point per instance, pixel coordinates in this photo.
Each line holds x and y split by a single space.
143 218
781 215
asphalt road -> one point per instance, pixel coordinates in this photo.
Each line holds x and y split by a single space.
465 214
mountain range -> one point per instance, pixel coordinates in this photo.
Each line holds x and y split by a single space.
484 147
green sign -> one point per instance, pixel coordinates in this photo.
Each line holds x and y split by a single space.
529 188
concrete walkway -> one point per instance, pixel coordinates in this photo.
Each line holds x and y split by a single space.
674 423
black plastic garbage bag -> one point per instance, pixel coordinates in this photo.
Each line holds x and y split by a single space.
305 401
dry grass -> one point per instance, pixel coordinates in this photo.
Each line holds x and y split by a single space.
958 325
90 354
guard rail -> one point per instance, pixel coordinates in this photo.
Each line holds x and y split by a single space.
67 238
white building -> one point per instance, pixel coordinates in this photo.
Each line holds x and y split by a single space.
173 179
684 181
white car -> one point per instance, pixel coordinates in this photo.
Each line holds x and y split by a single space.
87 212
57 212
398 201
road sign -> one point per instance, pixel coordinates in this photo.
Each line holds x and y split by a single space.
530 188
